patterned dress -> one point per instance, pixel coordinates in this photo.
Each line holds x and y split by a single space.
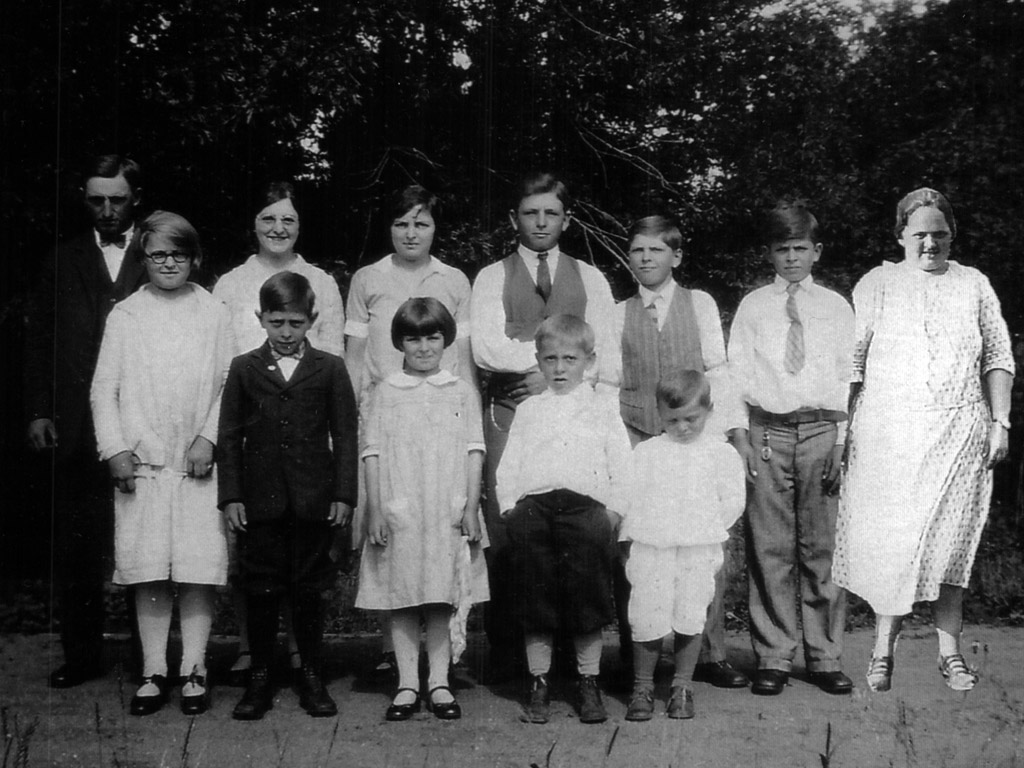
916 493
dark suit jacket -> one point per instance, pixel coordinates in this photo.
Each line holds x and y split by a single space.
66 316
274 454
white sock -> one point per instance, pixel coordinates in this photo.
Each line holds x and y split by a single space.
153 604
405 634
539 646
195 609
439 651
588 653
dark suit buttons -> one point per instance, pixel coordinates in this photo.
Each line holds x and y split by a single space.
284 422
285 396
285 446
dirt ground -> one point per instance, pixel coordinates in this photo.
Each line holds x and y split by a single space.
919 723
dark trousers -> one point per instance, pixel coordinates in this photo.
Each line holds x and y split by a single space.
286 557
562 549
791 524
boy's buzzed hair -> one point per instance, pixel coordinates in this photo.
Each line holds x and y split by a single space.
287 292
664 227
684 389
568 328
422 316
790 220
541 183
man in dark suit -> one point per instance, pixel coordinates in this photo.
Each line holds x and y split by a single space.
80 282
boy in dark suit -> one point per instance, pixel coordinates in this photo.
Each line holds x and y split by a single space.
287 476
80 283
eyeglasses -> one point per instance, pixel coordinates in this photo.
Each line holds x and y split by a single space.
161 257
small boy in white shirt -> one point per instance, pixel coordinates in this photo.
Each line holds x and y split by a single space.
689 487
561 482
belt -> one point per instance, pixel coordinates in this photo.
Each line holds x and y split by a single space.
807 416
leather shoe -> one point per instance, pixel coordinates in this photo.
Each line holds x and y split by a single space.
70 675
399 712
769 682
313 696
141 706
831 682
449 710
197 702
258 696
591 708
720 674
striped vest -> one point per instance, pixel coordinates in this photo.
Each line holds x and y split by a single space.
649 354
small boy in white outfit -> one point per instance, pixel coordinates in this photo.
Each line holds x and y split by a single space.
689 487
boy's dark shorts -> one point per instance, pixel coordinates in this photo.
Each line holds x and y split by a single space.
562 548
286 557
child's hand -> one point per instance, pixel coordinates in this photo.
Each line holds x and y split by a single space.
122 469
234 514
740 440
831 477
471 524
340 514
199 459
377 530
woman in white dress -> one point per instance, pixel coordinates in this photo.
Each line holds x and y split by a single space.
155 402
929 416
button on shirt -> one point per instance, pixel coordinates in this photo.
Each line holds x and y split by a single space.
757 348
574 441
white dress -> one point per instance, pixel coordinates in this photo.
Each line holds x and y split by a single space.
423 431
158 383
916 493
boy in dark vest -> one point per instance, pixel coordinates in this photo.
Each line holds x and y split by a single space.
667 329
510 300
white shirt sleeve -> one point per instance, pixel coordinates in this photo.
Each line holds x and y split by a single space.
601 313
492 349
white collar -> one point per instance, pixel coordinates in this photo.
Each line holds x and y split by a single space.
667 291
387 264
780 284
531 255
403 380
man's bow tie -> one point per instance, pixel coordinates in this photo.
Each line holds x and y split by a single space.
120 241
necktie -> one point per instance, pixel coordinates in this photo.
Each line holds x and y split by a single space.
794 359
543 276
652 312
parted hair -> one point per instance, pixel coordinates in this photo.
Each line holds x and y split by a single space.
175 228
920 198
287 292
684 389
664 227
112 166
568 328
414 195
541 183
790 220
422 316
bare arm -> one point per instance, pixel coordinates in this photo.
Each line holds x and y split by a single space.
997 384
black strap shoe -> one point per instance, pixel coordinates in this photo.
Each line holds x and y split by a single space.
399 712
447 710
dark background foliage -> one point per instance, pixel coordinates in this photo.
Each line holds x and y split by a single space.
709 110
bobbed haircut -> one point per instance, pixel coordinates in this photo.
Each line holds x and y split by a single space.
790 221
541 183
422 316
412 196
275 192
567 328
175 228
664 227
112 166
287 292
684 389
921 198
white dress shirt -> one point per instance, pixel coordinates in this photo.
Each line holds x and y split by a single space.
113 255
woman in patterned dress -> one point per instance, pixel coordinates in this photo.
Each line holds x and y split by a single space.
929 415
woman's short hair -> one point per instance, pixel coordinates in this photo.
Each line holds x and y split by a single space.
175 228
412 196
921 198
568 328
541 183
288 291
664 227
422 316
790 221
275 192
683 389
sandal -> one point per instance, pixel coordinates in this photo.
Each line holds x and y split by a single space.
879 674
958 676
